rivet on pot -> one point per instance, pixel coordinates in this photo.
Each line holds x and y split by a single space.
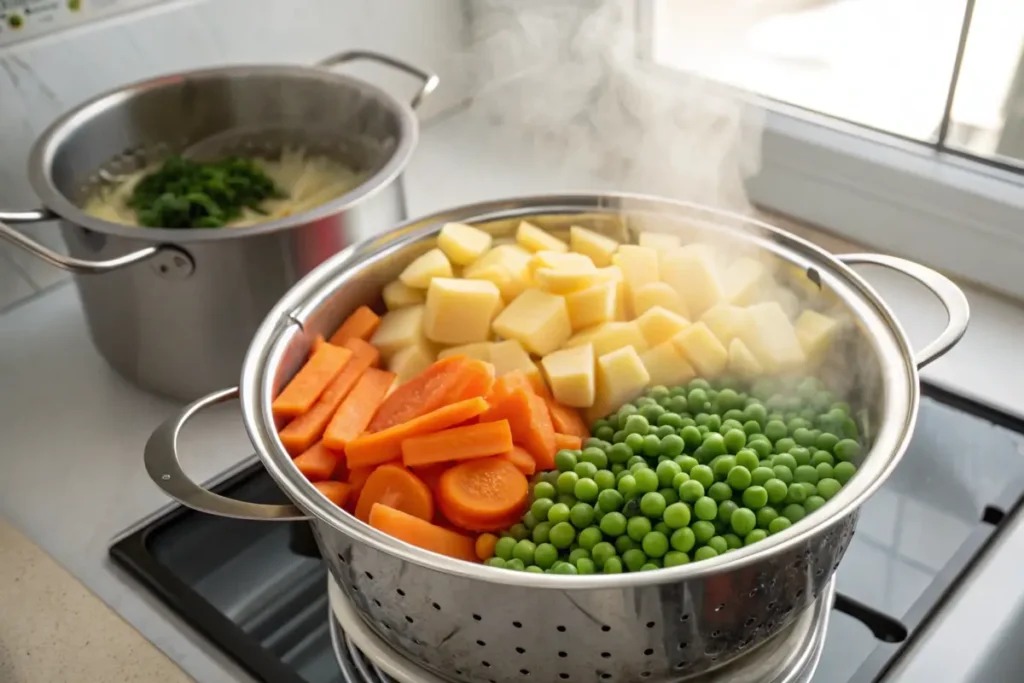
172 263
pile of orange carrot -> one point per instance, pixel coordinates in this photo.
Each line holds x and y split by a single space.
432 461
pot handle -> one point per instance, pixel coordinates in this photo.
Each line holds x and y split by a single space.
951 296
70 263
164 468
430 79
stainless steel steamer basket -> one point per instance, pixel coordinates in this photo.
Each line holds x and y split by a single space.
470 622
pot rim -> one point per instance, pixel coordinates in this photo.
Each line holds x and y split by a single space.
898 368
41 155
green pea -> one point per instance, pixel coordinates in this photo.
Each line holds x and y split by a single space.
794 512
504 547
813 503
678 404
784 445
670 495
540 508
732 541
674 558
686 463
646 480
636 460
676 515
620 453
756 412
565 460
743 521
655 544
550 477
634 559
755 497
750 428
809 488
725 510
653 505
822 457
564 568
775 430
721 465
567 499
714 444
762 447
566 482
612 566
691 437
604 479
697 400
719 544
719 491
755 536
601 552
638 527
779 524
617 469
652 446
624 543
636 424
674 420
626 485
826 442
801 455
803 437
739 478
662 432
847 450
581 515
796 494
683 539
704 553
783 473
519 531
705 508
594 456
714 423
844 471
635 443
703 475
825 471
586 490
585 565
543 490
541 532
578 554
585 470
559 512
734 414
777 489
731 425
734 440
652 412
765 516
605 433
523 551
690 491
562 535
805 473
784 460
702 530
828 488
759 475
530 520
747 458
610 500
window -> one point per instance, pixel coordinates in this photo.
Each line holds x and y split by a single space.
897 123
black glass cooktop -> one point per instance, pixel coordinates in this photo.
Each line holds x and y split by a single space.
257 589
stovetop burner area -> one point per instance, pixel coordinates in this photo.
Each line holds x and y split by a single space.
257 589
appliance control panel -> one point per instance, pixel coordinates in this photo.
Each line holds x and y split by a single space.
26 19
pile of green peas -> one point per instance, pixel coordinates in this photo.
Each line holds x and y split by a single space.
686 474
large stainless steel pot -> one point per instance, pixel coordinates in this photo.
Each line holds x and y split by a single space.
174 310
471 622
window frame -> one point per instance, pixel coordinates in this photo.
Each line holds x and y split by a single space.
960 215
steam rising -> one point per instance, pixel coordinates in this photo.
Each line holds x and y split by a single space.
567 76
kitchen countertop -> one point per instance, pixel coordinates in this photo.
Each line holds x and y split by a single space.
71 474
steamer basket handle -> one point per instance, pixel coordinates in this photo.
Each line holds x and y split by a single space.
70 263
430 79
951 296
164 469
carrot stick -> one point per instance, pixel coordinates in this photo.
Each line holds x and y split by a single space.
567 442
485 546
567 420
335 491
357 477
528 415
318 463
522 459
476 378
305 430
360 325
485 490
356 411
385 446
458 443
421 534
398 488
311 380
411 398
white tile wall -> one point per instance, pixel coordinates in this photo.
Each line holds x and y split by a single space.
43 78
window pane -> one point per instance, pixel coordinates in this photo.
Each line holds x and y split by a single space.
988 110
882 63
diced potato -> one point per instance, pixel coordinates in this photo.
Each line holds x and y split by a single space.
399 329
692 272
702 348
570 374
463 244
460 311
397 295
659 325
659 241
507 266
533 239
411 361
789 301
507 356
555 259
772 338
477 351
741 361
611 336
744 279
593 306
539 320
658 294
666 365
565 280
639 267
621 376
598 247
420 272
727 322
815 332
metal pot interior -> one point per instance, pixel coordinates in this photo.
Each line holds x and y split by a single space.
871 366
124 130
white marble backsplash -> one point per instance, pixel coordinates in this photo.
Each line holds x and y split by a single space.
43 78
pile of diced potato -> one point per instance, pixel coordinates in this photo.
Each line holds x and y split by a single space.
596 320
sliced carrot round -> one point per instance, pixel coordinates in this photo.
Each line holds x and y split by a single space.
397 488
486 488
465 522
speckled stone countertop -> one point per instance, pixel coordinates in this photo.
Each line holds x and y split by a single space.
53 630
